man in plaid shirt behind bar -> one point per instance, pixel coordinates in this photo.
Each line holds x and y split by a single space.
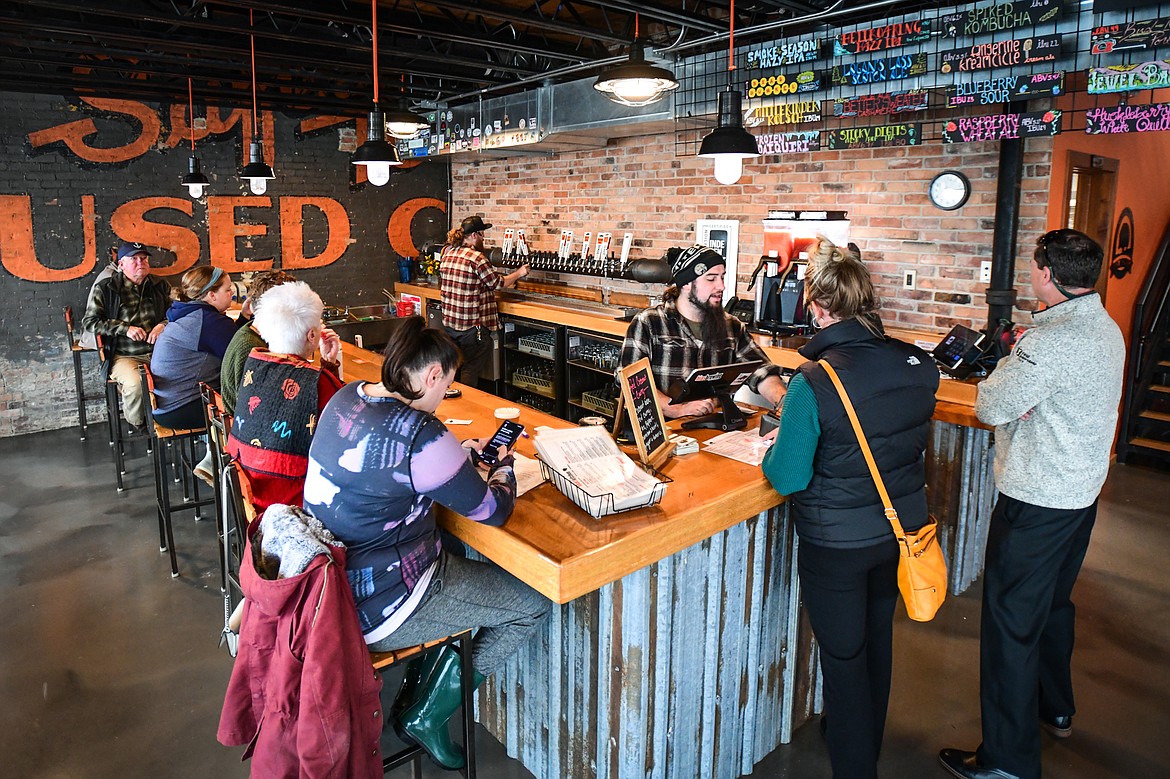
469 283
690 330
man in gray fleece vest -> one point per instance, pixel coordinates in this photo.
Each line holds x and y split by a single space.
1053 402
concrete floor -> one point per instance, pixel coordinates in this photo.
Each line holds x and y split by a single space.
109 668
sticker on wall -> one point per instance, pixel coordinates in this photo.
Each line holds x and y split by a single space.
1123 237
873 137
874 71
996 127
882 103
1147 118
784 84
1001 54
781 53
1000 17
778 113
789 143
1005 89
891 36
1129 78
1131 36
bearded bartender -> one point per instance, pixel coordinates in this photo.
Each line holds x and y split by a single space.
690 330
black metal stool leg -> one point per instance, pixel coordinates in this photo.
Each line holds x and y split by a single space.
467 678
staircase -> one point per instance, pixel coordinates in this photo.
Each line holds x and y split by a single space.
1145 410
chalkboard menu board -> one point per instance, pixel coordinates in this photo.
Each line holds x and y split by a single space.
640 398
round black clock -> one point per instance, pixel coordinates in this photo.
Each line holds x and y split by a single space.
949 190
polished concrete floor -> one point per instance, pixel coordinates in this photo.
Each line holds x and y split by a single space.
109 668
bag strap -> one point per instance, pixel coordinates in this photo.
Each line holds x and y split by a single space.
891 512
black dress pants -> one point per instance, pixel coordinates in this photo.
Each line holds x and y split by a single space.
850 596
1033 557
476 345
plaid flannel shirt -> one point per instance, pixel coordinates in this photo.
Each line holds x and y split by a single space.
469 284
116 304
662 334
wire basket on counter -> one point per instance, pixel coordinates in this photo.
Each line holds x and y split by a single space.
605 504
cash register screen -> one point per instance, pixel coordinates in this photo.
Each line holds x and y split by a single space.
712 382
956 345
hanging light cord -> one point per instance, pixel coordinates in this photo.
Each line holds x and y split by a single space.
252 38
191 103
636 26
731 41
374 28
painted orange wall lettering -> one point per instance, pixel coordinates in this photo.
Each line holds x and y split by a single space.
292 238
74 134
16 241
398 229
129 223
223 229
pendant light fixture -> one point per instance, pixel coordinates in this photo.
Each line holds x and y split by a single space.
194 180
729 144
635 82
375 154
401 122
256 172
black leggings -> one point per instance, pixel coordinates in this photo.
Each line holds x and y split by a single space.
189 416
850 596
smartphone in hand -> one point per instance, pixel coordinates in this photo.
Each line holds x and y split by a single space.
506 436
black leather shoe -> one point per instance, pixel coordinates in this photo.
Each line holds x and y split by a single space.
1060 727
965 765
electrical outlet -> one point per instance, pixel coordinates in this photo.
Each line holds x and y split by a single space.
985 271
910 279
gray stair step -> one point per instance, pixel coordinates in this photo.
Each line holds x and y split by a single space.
1150 443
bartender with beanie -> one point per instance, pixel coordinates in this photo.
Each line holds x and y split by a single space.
690 330
468 293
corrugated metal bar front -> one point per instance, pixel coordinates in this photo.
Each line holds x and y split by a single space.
688 667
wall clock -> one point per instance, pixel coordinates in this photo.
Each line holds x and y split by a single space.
949 190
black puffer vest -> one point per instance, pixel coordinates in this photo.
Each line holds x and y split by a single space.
892 385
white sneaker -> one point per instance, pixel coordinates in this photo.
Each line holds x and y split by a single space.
203 470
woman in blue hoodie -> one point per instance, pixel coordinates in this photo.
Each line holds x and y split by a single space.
192 346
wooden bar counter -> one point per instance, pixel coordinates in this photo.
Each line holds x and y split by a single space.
679 648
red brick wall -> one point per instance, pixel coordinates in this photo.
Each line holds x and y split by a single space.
639 185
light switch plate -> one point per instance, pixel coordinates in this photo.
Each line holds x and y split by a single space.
910 279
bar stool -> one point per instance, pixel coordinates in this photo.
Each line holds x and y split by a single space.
218 425
180 453
77 350
237 513
413 754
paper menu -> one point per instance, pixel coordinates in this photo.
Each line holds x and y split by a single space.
606 479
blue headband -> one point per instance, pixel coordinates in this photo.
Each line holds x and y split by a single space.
216 275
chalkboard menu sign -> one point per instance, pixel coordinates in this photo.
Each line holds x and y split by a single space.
640 398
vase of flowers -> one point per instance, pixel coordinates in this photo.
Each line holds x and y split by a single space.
429 266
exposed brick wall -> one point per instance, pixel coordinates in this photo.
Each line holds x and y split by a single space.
93 173
639 185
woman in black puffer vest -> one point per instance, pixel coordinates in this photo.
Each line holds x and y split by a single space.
848 558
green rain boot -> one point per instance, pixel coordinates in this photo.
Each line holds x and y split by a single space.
417 672
425 722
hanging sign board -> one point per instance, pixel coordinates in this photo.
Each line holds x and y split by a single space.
878 135
1005 89
892 36
777 144
1104 6
773 114
1129 78
1152 117
640 397
781 53
1001 54
996 127
872 71
882 103
1146 34
1000 17
784 84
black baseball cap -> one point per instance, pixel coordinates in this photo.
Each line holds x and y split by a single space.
474 224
